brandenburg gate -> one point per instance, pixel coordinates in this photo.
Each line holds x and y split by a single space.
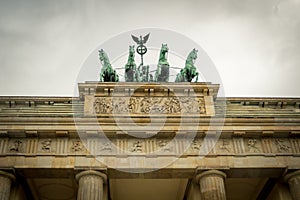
148 138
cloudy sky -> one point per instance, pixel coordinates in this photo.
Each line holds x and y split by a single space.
254 44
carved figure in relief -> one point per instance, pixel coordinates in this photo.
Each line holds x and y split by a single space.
281 146
137 147
77 146
225 145
252 146
120 105
106 147
16 146
145 105
102 105
134 105
151 105
188 105
192 105
163 145
196 145
46 145
172 105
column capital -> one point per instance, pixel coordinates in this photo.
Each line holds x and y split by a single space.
290 175
7 175
212 172
293 179
91 172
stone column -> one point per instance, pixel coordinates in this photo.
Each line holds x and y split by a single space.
293 180
212 185
5 184
90 185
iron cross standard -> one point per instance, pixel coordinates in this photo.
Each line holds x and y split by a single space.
141 48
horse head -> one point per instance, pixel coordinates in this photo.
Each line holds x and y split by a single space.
164 48
163 51
192 56
103 57
131 53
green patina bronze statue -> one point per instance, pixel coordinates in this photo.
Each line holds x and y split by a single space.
108 74
143 75
130 67
189 71
163 67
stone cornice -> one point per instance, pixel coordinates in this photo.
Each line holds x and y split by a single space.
64 106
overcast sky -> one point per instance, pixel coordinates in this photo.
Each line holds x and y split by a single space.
254 44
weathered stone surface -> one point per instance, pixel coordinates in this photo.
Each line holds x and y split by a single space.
248 138
5 185
212 185
293 180
91 185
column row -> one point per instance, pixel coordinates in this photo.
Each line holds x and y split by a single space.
91 185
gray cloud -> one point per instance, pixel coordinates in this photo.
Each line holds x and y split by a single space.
253 43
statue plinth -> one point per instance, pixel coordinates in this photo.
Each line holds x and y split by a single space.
155 99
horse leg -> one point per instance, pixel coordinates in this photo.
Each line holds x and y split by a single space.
197 77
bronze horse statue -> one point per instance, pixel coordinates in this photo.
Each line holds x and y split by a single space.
163 67
130 67
107 74
189 71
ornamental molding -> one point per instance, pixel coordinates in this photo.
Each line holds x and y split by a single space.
95 146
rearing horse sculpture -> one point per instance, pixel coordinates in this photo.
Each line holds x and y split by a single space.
130 67
108 74
189 71
163 67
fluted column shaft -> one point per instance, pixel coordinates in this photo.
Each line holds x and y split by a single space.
5 185
90 185
293 180
212 185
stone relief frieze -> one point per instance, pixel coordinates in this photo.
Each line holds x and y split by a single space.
106 147
46 145
77 146
167 147
147 105
163 146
